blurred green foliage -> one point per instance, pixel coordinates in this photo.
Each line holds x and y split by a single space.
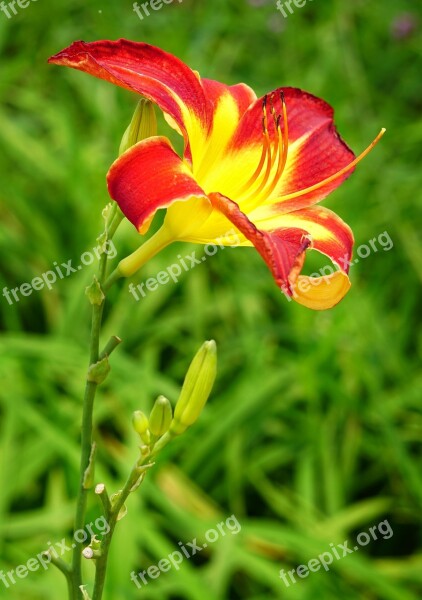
313 432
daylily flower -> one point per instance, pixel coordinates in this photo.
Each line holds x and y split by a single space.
258 164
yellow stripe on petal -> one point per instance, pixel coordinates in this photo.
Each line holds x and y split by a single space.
321 293
230 102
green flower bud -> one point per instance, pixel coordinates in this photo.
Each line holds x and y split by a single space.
196 388
143 125
160 417
141 425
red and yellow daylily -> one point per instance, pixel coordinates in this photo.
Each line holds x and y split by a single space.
259 165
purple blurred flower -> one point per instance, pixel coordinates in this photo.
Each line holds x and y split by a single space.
404 25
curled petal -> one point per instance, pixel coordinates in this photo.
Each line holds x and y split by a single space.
321 293
282 243
282 250
329 235
149 176
152 72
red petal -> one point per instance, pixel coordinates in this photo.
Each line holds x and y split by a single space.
149 176
316 150
305 112
329 234
228 104
139 67
337 241
283 250
242 94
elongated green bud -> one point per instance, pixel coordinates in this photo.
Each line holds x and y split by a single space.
196 388
160 417
141 425
143 125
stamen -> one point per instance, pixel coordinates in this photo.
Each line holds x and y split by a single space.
269 154
282 158
328 180
265 149
275 119
283 141
285 129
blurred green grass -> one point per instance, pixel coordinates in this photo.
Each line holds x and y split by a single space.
314 430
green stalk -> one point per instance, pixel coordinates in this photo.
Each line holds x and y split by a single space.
101 561
86 444
135 474
87 416
126 267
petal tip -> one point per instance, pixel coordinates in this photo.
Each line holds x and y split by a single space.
321 293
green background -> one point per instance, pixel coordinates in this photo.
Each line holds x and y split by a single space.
313 432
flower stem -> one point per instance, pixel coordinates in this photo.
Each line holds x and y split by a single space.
125 268
87 412
101 562
132 263
137 471
86 443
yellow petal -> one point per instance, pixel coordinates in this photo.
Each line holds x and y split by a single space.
321 293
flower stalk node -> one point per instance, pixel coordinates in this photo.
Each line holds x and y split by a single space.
89 474
94 293
114 499
98 372
91 554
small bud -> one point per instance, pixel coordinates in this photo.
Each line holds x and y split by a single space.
141 425
160 417
143 125
196 388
